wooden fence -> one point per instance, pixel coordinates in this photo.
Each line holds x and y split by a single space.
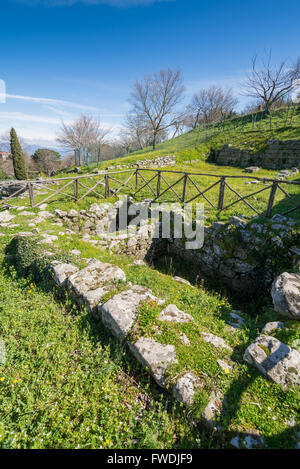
139 179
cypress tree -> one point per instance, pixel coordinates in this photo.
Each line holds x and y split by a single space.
17 156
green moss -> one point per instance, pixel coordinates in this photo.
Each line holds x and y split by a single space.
265 349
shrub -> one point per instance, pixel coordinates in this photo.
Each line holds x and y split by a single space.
29 259
17 156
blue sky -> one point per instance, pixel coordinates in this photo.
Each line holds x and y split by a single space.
60 58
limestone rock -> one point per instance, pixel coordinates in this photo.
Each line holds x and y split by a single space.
182 280
286 295
62 271
155 356
213 408
215 341
6 216
252 169
44 215
25 213
139 262
224 365
172 314
119 313
236 320
185 387
95 275
274 360
272 326
248 440
60 213
72 213
91 283
48 239
92 298
184 339
75 252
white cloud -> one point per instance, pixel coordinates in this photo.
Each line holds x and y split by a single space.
22 117
51 101
36 129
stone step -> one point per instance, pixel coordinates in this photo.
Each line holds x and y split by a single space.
119 313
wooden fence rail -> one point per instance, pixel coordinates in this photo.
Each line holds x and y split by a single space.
159 177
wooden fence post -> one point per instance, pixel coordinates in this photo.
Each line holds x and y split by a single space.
158 182
106 186
136 179
271 199
184 187
76 190
221 193
31 195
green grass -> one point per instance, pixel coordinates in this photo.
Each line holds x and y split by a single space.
84 359
67 384
258 201
238 131
191 150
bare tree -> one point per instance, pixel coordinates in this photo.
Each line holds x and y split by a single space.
138 129
83 132
180 123
210 105
271 83
155 99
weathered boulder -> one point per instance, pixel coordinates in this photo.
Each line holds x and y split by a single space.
90 284
185 388
92 298
272 326
95 275
75 252
154 356
184 339
252 169
172 314
224 365
138 262
215 341
6 216
236 320
72 213
61 272
182 280
119 313
60 213
274 360
211 411
48 239
248 440
286 295
25 213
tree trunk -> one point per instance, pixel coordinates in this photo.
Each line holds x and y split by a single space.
154 141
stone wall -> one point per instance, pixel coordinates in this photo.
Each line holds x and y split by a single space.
244 256
278 154
158 162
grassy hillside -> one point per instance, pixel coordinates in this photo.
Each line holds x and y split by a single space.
67 383
192 149
240 131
